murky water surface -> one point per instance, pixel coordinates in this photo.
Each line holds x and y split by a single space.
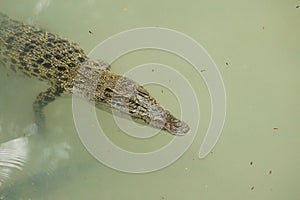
256 48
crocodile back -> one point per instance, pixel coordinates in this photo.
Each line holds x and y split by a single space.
36 53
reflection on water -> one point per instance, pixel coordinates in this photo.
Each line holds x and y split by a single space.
27 160
13 155
39 7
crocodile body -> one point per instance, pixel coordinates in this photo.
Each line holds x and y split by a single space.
28 50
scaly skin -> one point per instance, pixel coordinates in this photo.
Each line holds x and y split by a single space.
28 50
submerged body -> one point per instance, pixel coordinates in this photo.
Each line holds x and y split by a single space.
63 64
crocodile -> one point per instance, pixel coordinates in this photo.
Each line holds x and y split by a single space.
29 50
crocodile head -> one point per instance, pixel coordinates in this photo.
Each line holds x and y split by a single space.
129 97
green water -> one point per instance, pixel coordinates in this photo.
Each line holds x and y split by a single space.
256 48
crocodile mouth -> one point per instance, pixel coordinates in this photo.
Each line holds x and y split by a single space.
138 104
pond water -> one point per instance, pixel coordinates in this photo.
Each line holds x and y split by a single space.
255 47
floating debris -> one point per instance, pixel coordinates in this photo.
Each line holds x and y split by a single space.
251 162
297 6
270 172
90 32
227 63
252 188
275 128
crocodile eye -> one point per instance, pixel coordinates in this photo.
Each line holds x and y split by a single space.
143 91
108 92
